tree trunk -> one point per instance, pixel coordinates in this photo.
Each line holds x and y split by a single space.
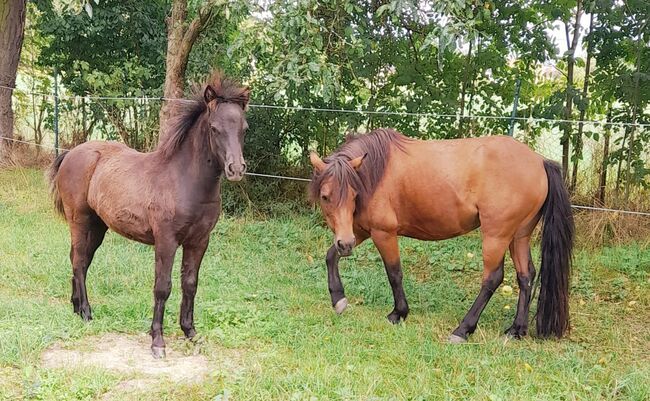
635 110
181 36
577 153
571 48
620 163
84 127
463 88
602 184
12 21
38 121
472 122
117 119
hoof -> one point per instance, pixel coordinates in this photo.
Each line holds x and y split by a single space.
341 305
86 315
394 318
516 334
190 334
197 339
454 339
158 352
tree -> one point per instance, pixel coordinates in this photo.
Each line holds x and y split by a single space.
182 33
622 56
35 77
429 61
118 52
582 106
572 44
12 20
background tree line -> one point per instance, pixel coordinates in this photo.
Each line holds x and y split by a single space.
434 59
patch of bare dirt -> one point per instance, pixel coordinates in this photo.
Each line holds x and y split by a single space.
131 355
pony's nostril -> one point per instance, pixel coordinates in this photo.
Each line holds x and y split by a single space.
243 168
229 168
339 243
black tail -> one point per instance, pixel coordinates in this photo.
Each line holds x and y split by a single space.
557 247
51 178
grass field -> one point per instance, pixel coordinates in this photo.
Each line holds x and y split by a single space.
263 303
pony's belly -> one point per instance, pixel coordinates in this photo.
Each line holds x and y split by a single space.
434 235
439 229
132 226
144 236
125 219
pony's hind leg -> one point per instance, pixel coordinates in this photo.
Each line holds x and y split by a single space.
192 257
165 249
520 253
87 235
494 250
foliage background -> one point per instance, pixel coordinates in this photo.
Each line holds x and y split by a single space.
448 60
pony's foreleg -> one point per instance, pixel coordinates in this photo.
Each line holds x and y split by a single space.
164 251
339 302
493 252
520 253
388 247
192 257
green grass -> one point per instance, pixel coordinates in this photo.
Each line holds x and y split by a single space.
263 295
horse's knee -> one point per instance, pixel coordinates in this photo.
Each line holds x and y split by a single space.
162 291
189 284
494 279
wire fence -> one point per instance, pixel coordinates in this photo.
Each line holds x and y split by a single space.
349 111
301 179
545 144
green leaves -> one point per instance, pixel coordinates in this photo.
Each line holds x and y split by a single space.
439 58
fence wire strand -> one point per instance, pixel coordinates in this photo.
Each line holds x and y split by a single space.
347 111
283 177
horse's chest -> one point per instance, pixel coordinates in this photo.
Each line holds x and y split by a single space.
196 221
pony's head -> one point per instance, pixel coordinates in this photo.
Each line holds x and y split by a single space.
338 187
344 182
220 107
226 103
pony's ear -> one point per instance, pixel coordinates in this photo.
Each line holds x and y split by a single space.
317 162
356 162
209 94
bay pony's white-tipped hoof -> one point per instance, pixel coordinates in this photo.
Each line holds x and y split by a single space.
341 305
454 339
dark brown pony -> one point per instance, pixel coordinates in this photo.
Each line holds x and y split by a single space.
168 198
384 185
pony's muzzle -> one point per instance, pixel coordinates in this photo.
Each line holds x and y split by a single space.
344 247
235 171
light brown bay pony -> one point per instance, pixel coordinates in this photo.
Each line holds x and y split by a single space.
383 185
168 198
